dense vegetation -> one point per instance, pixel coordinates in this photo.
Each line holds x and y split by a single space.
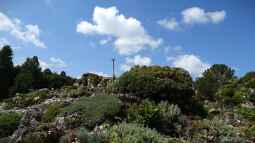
144 105
27 76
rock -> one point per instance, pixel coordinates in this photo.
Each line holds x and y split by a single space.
27 123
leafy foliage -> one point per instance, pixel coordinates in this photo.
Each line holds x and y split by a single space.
212 79
248 113
93 110
51 112
157 83
215 130
8 123
165 118
27 99
80 135
6 71
135 133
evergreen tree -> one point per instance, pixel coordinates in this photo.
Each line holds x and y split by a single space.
6 71
29 76
212 79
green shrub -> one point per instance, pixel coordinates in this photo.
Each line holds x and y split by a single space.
164 117
215 130
42 137
248 80
157 83
134 133
142 113
80 135
213 78
5 140
232 94
250 132
29 99
94 109
8 123
248 113
51 112
169 120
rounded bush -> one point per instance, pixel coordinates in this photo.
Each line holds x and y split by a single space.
135 133
157 83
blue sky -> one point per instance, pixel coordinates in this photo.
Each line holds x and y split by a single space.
84 35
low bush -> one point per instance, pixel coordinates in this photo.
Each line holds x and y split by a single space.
170 121
215 130
8 123
134 133
93 110
5 140
25 100
142 113
51 112
164 117
250 132
248 113
80 135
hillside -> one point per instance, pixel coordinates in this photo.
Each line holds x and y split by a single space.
147 104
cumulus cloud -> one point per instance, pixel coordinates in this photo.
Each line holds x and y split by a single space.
131 37
193 64
105 41
136 60
171 24
196 15
3 42
193 15
26 33
53 63
100 74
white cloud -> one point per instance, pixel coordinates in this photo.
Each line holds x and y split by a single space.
57 62
191 63
26 33
3 42
44 65
105 41
130 35
171 24
136 60
100 74
53 63
193 15
196 15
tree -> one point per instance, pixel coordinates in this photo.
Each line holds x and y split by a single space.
248 80
29 76
213 78
157 83
6 71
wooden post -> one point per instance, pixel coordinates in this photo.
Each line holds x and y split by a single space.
113 69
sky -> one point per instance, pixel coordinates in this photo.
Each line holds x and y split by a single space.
84 35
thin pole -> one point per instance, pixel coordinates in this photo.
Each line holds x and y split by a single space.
113 69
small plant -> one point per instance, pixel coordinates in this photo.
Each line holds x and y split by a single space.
164 117
250 132
215 130
28 99
8 123
248 113
134 133
93 110
80 135
142 113
51 112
